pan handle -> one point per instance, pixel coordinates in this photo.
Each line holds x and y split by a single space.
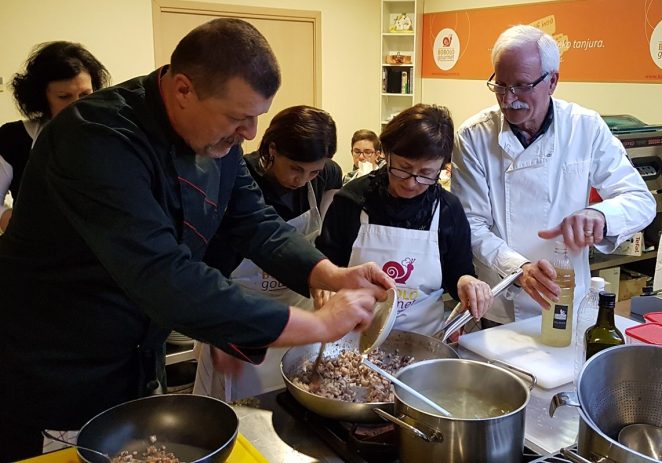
435 437
563 398
576 458
508 366
79 447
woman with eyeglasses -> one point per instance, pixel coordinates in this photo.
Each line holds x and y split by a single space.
401 218
294 170
366 153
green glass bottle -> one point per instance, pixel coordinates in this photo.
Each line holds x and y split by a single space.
604 333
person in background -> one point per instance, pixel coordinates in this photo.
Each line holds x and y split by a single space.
366 153
56 74
401 218
523 170
123 192
294 170
445 176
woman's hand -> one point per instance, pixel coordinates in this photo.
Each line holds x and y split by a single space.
475 295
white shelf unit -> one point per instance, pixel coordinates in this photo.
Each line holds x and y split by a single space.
397 95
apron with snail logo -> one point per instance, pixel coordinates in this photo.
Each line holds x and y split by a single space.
265 377
411 258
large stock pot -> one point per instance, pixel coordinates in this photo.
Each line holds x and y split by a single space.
617 387
487 405
419 346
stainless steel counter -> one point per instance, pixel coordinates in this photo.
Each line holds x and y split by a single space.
282 438
278 436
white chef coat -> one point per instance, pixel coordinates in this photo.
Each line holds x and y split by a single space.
510 193
265 377
411 258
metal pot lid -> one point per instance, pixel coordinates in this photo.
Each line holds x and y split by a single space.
382 323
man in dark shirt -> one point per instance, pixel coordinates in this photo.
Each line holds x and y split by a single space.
103 256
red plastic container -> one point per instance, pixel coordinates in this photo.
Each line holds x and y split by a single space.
647 333
653 317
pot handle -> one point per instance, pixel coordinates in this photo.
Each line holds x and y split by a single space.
572 456
508 366
435 437
563 398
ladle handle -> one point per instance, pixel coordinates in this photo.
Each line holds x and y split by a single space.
406 387
62 441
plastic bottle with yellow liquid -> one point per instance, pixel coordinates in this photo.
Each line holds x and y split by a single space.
556 329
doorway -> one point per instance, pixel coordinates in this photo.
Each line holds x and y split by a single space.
294 36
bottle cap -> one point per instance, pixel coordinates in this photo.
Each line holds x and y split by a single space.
560 246
607 300
598 283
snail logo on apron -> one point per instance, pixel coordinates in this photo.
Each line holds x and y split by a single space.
400 272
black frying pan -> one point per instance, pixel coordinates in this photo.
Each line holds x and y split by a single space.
194 428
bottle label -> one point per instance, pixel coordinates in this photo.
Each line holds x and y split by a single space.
560 317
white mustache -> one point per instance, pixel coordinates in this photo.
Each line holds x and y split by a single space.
517 104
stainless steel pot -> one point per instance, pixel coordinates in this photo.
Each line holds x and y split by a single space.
617 387
490 429
419 346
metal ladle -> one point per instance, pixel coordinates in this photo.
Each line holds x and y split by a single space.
406 387
87 449
643 438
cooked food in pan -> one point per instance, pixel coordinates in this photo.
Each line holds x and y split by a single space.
345 378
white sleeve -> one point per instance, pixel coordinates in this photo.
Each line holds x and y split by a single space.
627 203
469 184
6 176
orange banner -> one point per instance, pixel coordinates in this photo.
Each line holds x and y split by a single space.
600 40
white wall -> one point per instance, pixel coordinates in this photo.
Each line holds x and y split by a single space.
466 97
119 33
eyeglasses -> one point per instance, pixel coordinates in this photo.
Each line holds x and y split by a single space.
514 89
404 175
358 152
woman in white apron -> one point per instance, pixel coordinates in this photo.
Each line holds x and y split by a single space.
402 219
294 170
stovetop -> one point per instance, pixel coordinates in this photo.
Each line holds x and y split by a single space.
368 443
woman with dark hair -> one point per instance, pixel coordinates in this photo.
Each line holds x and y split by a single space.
294 170
401 218
56 74
366 154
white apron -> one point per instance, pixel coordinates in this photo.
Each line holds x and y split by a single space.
265 377
411 258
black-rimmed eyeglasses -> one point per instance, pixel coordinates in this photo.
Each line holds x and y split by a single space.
514 89
404 175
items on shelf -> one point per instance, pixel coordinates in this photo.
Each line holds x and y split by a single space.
396 80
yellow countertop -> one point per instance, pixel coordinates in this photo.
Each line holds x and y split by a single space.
243 452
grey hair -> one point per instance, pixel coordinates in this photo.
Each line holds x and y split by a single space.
520 35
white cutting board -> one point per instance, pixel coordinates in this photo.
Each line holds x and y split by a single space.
519 344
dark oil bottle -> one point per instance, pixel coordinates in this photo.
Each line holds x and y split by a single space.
604 333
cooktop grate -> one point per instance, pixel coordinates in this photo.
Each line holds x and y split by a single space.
555 458
360 443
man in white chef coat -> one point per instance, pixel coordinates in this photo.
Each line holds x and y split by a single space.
523 170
